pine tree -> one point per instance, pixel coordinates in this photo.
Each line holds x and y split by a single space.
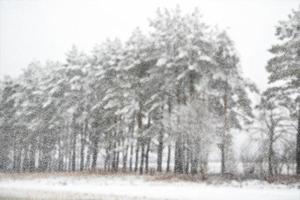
272 116
284 69
231 93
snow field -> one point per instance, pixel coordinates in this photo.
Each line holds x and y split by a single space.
133 187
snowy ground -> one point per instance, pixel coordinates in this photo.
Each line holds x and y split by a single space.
133 187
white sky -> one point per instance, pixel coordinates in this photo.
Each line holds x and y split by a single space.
41 30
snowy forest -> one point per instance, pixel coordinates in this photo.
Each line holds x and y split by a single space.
167 100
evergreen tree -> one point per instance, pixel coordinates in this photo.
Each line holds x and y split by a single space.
284 70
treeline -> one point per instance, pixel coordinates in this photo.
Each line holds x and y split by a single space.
175 92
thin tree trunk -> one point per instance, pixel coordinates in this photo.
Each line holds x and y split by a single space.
131 158
147 155
125 155
160 152
222 146
141 138
114 156
169 146
298 143
270 158
178 167
168 158
69 148
73 145
142 156
110 156
117 158
178 161
88 157
194 165
40 154
106 159
187 156
32 156
44 161
60 154
74 153
83 141
147 141
95 153
131 143
25 165
82 154
14 152
195 158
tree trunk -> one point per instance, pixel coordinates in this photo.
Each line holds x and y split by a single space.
160 152
131 143
88 156
39 149
140 136
194 164
137 149
117 158
69 148
95 153
60 154
178 167
168 158
142 156
169 146
222 148
114 159
147 155
88 159
270 156
107 162
73 145
44 160
83 141
32 156
125 155
131 158
298 143
74 152
187 156
195 158
14 152
82 154
25 166
178 161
